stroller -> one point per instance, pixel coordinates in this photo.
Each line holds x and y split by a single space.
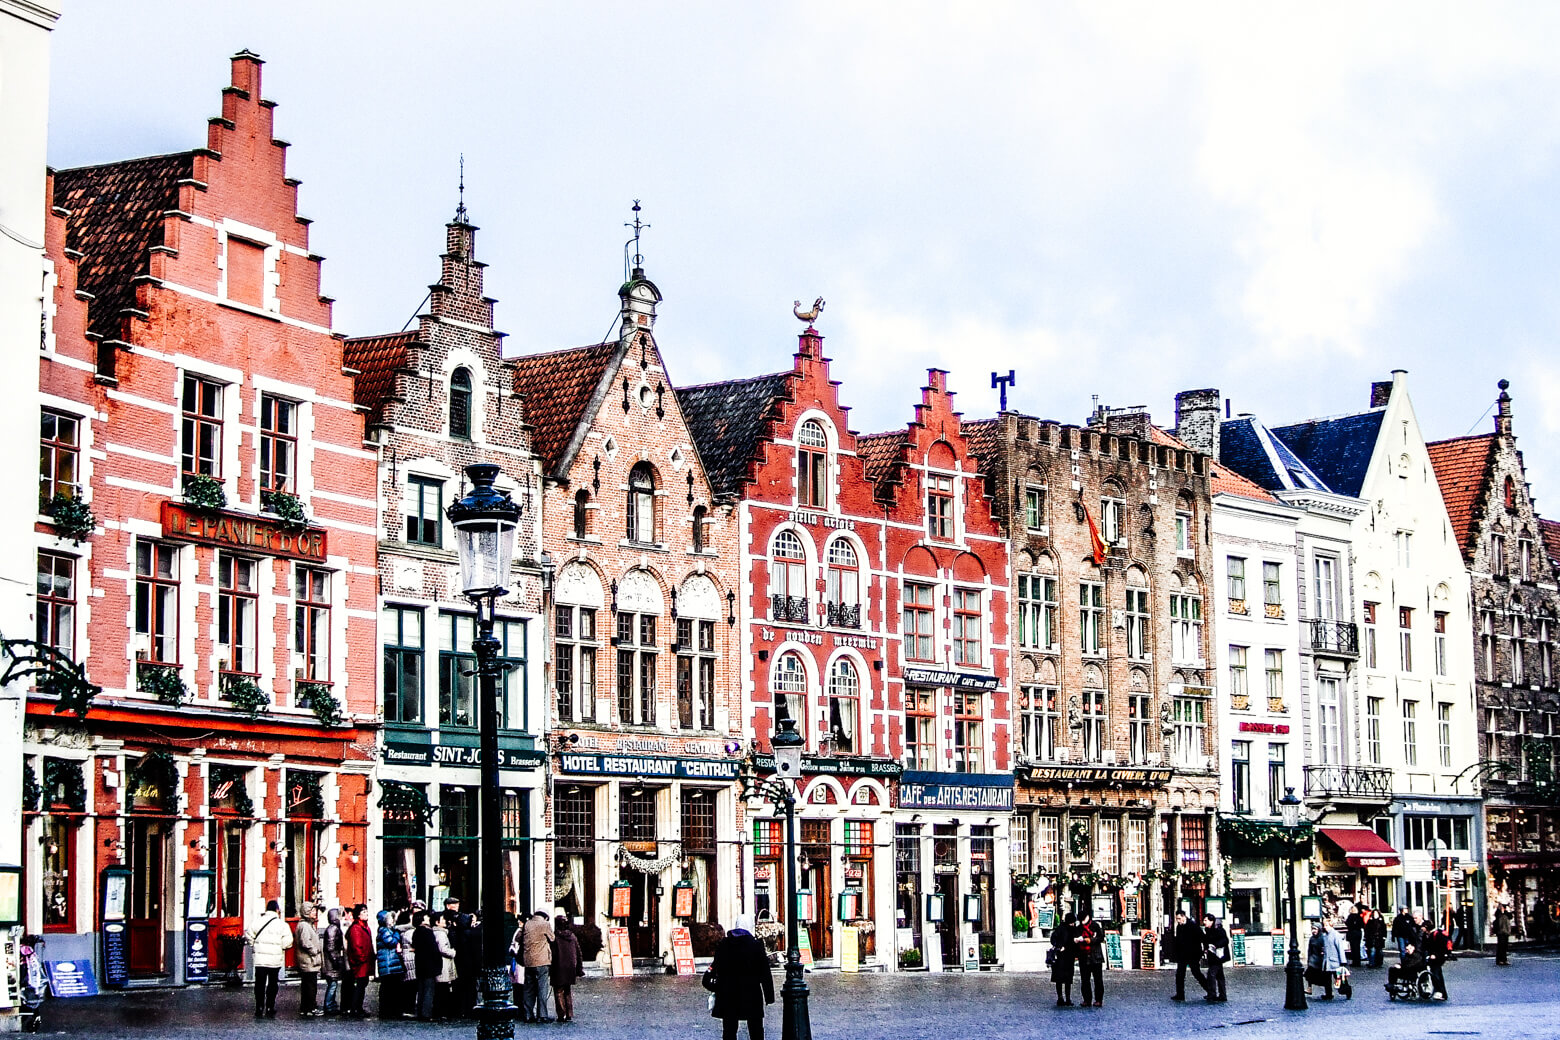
1409 979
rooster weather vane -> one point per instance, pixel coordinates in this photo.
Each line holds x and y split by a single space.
808 316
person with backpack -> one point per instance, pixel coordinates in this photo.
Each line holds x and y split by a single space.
1090 944
1216 944
270 939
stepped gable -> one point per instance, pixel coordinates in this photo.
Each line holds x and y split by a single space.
727 421
879 452
558 388
1337 450
1462 468
377 360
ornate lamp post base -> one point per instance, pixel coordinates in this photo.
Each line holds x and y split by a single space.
496 1013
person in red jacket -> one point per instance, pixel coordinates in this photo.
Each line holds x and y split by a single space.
360 963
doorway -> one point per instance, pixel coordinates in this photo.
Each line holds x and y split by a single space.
644 922
820 930
948 927
148 895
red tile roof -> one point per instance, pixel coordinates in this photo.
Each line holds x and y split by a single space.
879 452
1462 468
558 387
377 359
982 436
1550 530
116 216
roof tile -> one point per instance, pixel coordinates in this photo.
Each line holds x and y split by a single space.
879 452
1462 468
558 387
727 421
377 359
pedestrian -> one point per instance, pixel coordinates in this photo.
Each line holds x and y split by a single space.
1186 951
741 981
392 967
1354 927
360 962
446 980
308 959
1502 927
333 945
1438 946
1090 943
1403 930
270 939
1062 955
1336 962
1316 973
426 965
1375 937
405 926
568 967
535 940
468 964
1216 944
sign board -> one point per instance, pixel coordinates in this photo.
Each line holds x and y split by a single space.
850 949
971 953
1132 909
843 766
229 530
622 900
1238 946
648 766
957 680
1148 943
804 947
397 753
72 979
1113 958
620 960
197 951
116 953
1136 776
682 950
919 790
1103 906
1279 957
682 900
904 939
1046 917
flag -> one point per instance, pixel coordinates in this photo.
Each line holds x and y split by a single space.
1094 538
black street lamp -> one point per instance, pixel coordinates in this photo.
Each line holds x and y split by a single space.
485 522
795 1022
1294 971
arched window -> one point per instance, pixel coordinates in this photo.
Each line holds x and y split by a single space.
641 504
581 513
699 515
844 585
460 403
789 684
787 578
812 465
844 705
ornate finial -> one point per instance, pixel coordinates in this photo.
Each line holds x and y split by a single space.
1001 383
1504 384
638 226
460 209
808 316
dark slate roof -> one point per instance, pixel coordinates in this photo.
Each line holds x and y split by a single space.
1462 468
116 216
727 421
1241 449
377 359
1338 450
558 387
879 452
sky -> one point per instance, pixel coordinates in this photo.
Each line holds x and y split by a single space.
1284 201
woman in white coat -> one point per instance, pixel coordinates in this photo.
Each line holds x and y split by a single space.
270 939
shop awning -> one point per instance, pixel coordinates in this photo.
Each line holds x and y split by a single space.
1362 847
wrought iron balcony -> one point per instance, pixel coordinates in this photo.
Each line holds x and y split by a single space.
788 608
1362 783
843 615
1341 638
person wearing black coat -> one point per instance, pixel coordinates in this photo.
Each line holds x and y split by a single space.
568 967
1089 941
1062 959
740 978
427 963
1186 951
1375 937
1216 942
1354 927
1403 931
467 940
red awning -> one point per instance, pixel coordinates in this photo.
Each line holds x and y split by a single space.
1362 847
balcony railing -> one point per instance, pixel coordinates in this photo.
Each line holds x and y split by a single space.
788 608
1370 783
1335 637
845 615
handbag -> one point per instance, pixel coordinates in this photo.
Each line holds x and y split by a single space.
1050 957
709 982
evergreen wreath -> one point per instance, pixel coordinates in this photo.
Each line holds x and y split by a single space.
65 783
321 700
32 792
245 694
238 791
203 493
402 801
155 770
287 507
1078 839
72 517
307 802
161 681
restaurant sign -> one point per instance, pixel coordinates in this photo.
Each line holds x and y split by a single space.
918 790
829 766
407 754
243 532
649 766
1136 776
957 680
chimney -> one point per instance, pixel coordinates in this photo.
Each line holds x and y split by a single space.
1503 410
1197 419
1380 393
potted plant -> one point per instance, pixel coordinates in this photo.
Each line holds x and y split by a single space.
203 493
909 959
287 507
161 681
72 517
319 697
244 693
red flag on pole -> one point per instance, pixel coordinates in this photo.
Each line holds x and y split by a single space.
1094 538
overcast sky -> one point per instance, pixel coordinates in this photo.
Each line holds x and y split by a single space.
1283 201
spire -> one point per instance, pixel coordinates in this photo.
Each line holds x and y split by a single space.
1503 410
461 216
638 293
637 269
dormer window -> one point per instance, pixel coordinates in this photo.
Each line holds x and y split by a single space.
641 504
460 404
939 506
812 465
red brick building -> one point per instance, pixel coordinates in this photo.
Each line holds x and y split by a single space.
194 398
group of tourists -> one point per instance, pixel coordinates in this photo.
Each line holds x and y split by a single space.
1078 943
427 963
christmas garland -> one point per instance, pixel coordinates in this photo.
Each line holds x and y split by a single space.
32 792
64 783
238 792
1106 880
1243 836
643 865
155 770
404 800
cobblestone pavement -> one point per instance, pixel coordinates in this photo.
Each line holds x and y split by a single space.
1519 1002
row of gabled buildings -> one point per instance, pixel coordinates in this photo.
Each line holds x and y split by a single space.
1036 665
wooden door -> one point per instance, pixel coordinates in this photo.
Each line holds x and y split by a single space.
821 928
948 927
148 895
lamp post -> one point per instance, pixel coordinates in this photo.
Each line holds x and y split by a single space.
795 1022
485 521
1294 971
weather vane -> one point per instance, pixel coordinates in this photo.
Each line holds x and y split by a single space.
460 209
639 260
808 316
1001 384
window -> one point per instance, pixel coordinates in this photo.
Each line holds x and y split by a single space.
1545 654
968 756
425 511
1048 843
1236 571
1140 723
460 403
1440 643
1183 533
641 504
1107 857
238 609
1240 776
1278 780
1497 554
1188 719
401 628
788 578
157 602
636 661
1453 832
920 735
918 622
1443 728
1373 730
939 506
581 513
1037 612
1272 590
202 427
812 465
1324 587
789 684
1525 558
695 673
1405 548
636 815
1518 662
245 267
278 444
1328 709
844 585
59 873
1240 689
1091 617
1186 628
56 625
1194 842
1093 714
1273 665
574 662
1411 733
1037 722
457 683
311 622
967 627
1112 512
845 706
1406 638
59 453
1137 624
1034 508
1487 643
1370 635
700 528
1136 861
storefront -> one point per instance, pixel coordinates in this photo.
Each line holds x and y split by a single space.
1353 865
1524 856
1441 845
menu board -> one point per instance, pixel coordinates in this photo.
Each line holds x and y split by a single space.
682 900
1113 957
620 960
1045 917
850 949
71 979
1132 909
1279 956
682 950
622 900
1238 946
804 947
116 966
1148 946
197 951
